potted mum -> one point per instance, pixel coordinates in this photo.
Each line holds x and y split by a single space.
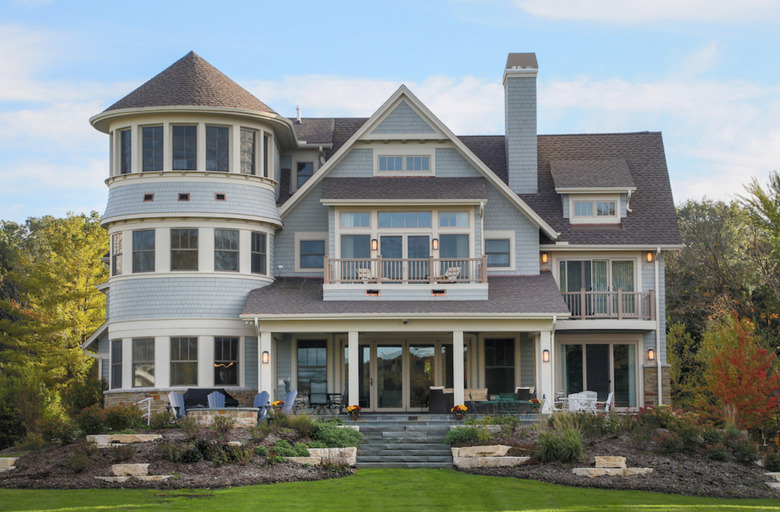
277 405
354 411
459 411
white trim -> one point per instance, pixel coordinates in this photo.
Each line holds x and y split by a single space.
594 190
565 247
301 236
594 218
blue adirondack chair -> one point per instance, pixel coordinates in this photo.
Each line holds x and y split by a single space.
176 405
216 400
261 402
289 401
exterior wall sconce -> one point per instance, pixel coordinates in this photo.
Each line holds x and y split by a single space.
649 257
545 257
435 244
650 354
545 356
266 357
374 244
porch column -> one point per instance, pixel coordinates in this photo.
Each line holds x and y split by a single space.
264 373
457 367
545 386
354 365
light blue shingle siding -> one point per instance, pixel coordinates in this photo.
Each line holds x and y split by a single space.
308 215
240 199
180 297
500 214
648 283
520 120
250 362
358 163
526 361
451 164
403 119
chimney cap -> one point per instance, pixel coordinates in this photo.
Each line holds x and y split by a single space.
522 61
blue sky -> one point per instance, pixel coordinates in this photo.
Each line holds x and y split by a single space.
703 72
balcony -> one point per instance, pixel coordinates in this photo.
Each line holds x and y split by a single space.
619 305
410 271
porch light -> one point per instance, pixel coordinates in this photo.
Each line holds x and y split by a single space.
650 354
545 257
435 244
649 256
374 244
266 357
545 356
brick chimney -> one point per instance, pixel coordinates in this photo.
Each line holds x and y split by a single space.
520 121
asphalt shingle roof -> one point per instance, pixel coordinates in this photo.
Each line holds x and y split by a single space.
612 173
419 188
507 295
314 130
191 81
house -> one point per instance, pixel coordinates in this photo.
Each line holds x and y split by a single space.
378 257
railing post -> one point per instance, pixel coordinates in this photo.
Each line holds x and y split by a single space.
379 275
582 303
620 303
326 264
431 270
483 270
651 304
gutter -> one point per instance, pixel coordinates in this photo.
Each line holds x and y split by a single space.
658 326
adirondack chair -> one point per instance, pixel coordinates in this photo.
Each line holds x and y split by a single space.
176 405
608 404
216 400
261 402
450 276
289 401
365 275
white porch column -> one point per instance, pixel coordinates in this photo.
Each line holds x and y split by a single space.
545 385
353 354
457 368
264 373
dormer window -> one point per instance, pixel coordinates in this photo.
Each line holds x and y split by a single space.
305 170
594 209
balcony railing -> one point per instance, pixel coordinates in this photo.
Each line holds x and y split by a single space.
379 270
619 305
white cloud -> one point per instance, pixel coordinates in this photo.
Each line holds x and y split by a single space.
637 11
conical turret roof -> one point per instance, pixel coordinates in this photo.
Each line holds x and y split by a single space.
191 82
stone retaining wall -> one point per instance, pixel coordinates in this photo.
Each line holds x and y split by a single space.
244 416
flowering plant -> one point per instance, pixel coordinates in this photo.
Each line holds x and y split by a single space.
535 403
277 403
354 410
459 409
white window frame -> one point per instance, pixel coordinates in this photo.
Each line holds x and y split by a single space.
501 235
308 236
610 259
594 199
405 151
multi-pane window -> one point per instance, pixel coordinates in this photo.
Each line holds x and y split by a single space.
125 151
116 254
266 156
454 219
418 163
397 163
143 362
305 170
595 208
391 163
116 364
500 365
225 361
152 148
226 249
185 147
497 252
355 219
217 148
404 219
184 361
248 151
259 251
605 208
312 364
184 249
143 250
312 253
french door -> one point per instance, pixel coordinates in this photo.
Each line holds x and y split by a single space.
405 257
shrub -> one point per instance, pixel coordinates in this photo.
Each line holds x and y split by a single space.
744 450
335 437
88 447
711 436
222 425
189 425
11 425
190 455
772 462
505 420
301 450
123 452
82 394
283 448
467 436
259 433
168 451
566 421
77 462
123 417
160 420
56 429
91 420
275 459
690 435
240 454
261 451
560 446
31 442
304 425
316 444
641 435
669 442
717 451
656 417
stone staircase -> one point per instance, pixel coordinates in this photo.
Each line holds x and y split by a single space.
404 441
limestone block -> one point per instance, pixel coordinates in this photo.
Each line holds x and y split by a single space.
3 469
312 461
774 485
465 462
773 476
336 456
496 450
610 462
10 461
594 472
108 439
353 427
235 443
637 471
130 469
500 462
141 478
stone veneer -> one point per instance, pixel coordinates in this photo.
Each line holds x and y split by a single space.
245 397
651 384
244 416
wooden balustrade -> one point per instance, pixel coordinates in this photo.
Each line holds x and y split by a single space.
381 270
618 305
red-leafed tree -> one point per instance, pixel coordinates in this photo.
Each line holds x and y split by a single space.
740 375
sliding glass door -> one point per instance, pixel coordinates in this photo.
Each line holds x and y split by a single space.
601 367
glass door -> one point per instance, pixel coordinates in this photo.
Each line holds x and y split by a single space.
597 370
389 377
421 368
603 368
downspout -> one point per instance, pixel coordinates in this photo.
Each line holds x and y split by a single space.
257 330
552 360
658 325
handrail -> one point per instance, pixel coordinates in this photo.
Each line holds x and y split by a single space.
619 305
148 409
379 270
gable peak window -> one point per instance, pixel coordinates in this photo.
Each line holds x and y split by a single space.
404 163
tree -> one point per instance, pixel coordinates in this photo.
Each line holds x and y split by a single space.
685 366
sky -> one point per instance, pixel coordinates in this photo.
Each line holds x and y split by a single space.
705 73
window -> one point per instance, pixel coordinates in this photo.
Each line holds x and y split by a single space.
498 254
152 148
226 249
226 361
248 151
598 276
355 220
454 246
305 170
217 148
143 362
116 254
400 163
404 219
185 149
143 251
594 209
116 364
355 246
184 361
603 368
391 163
453 219
259 251
267 156
312 364
184 249
418 163
125 151
500 365
312 253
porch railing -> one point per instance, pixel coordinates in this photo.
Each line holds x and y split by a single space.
381 270
619 305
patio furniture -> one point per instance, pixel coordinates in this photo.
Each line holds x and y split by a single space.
582 402
176 405
261 402
289 401
449 276
365 275
318 396
608 404
198 397
216 400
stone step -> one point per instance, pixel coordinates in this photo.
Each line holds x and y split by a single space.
610 462
774 485
403 446
138 478
773 476
411 465
8 461
417 453
594 472
3 469
130 469
405 458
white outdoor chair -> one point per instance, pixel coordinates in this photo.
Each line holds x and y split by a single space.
609 403
450 276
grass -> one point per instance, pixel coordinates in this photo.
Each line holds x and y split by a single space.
377 489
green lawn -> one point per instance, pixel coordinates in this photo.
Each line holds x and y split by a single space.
410 490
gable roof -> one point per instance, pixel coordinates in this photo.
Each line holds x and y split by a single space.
191 82
314 130
591 174
417 188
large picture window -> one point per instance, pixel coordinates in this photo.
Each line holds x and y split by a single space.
226 249
259 251
185 147
143 362
598 276
225 361
217 148
184 361
184 249
143 250
152 157
601 367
